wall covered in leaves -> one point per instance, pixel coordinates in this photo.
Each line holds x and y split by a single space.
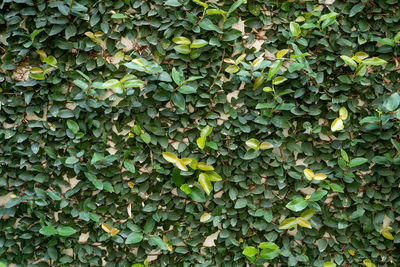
199 133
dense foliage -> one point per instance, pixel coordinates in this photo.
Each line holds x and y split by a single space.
134 130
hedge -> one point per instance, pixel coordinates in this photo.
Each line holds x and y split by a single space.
199 133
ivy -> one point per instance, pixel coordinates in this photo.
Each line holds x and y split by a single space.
199 133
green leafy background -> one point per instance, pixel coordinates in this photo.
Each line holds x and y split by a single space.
63 144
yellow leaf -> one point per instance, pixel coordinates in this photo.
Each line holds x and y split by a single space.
307 214
337 125
320 177
343 114
138 61
228 60
181 165
36 70
181 40
281 53
232 69
130 184
387 235
99 33
89 34
193 164
41 53
205 217
351 252
114 231
266 145
239 59
361 55
204 167
386 229
170 157
309 174
303 222
52 126
187 161
368 263
288 223
169 246
106 227
258 61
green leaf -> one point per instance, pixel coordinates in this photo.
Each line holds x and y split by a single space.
96 158
370 119
253 143
197 195
198 43
145 137
250 251
183 49
336 187
361 70
273 69
317 195
201 141
129 166
187 89
231 35
96 182
176 76
205 182
206 131
235 5
278 80
349 61
213 176
81 84
52 61
356 9
295 29
280 122
71 160
73 126
111 84
179 100
185 188
35 33
174 3
66 231
270 252
396 145
181 41
207 25
118 16
375 61
240 203
396 37
297 204
344 155
134 238
357 161
392 102
54 195
329 264
48 230
159 242
258 82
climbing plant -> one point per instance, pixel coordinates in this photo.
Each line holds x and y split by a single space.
199 133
